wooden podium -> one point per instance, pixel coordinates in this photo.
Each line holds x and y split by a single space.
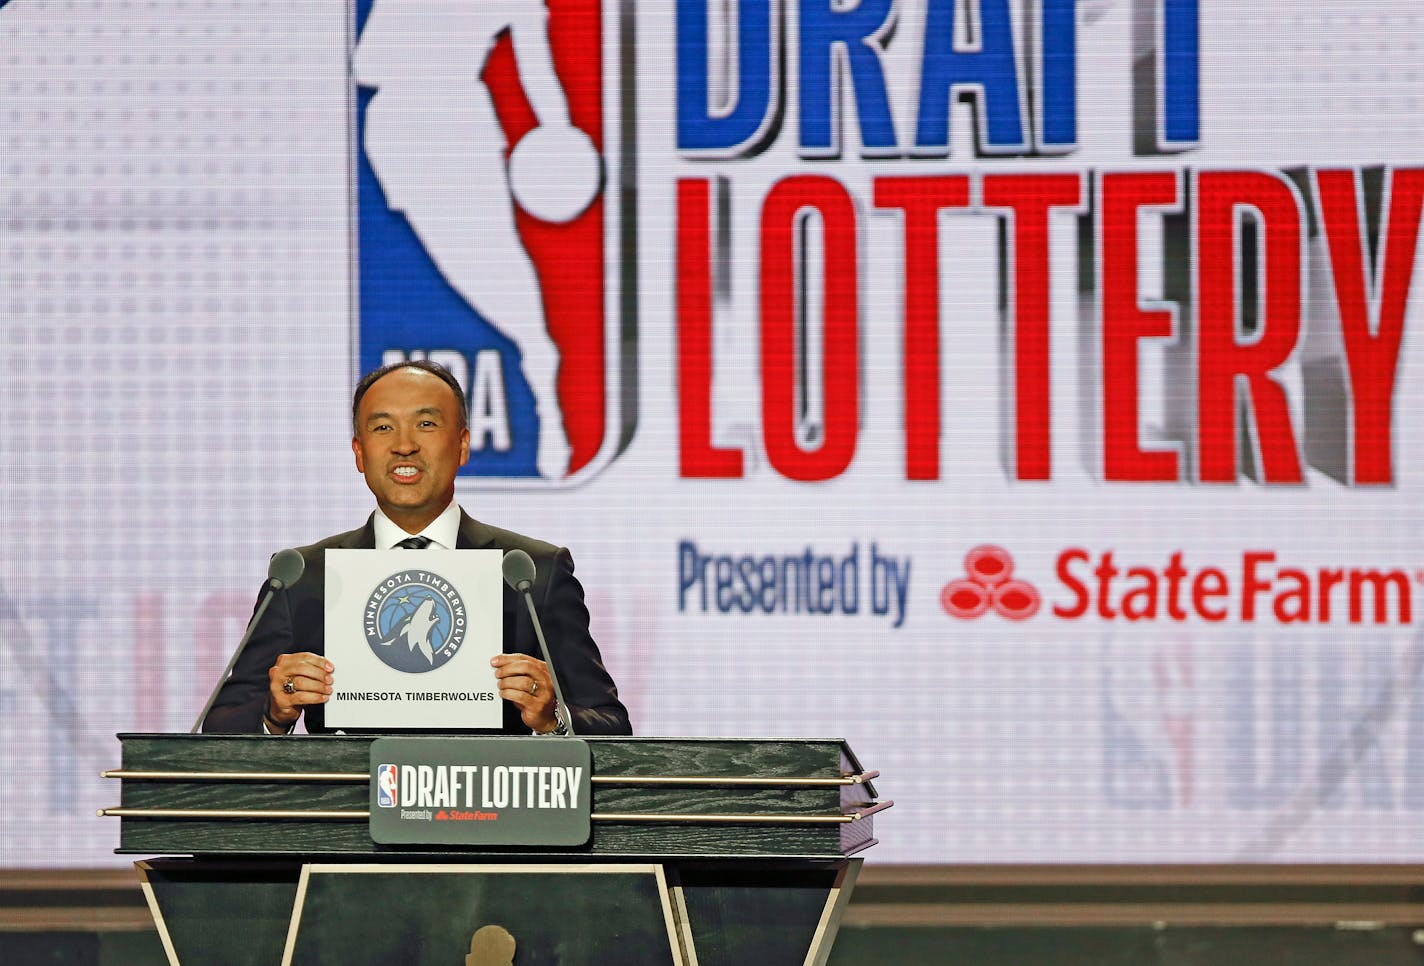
703 852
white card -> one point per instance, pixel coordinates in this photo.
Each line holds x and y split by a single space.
411 633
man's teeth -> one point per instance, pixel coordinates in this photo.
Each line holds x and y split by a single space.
406 471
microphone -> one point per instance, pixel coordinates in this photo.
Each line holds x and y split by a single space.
518 569
284 570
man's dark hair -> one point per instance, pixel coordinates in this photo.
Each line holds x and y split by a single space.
424 365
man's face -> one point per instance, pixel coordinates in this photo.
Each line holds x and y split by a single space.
410 444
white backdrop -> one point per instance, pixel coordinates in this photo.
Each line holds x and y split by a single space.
181 333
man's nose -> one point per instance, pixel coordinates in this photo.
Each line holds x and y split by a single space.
406 441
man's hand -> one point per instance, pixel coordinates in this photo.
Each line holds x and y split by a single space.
297 680
524 681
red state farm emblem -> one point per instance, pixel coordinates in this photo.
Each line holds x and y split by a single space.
990 584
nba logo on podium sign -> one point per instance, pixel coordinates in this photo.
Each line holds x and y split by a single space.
489 220
387 784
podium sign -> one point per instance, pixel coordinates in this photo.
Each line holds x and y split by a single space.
480 791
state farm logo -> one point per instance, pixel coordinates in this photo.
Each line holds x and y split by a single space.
465 815
1258 586
990 584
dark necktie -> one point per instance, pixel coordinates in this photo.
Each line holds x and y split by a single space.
414 543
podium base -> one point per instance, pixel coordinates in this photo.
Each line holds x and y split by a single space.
239 913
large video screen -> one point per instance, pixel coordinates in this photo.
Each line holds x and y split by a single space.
1028 392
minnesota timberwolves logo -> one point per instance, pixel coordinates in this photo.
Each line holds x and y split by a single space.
489 220
415 621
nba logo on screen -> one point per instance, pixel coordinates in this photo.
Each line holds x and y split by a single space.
489 223
386 786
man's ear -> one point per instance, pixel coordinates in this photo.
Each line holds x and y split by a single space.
464 447
361 457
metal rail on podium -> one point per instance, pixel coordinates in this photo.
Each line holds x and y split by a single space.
701 851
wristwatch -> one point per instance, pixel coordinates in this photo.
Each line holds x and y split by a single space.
561 723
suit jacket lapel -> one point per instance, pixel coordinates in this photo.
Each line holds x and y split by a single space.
364 538
474 535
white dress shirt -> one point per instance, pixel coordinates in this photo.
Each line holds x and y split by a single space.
443 531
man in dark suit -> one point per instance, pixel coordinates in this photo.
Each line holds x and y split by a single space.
410 439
